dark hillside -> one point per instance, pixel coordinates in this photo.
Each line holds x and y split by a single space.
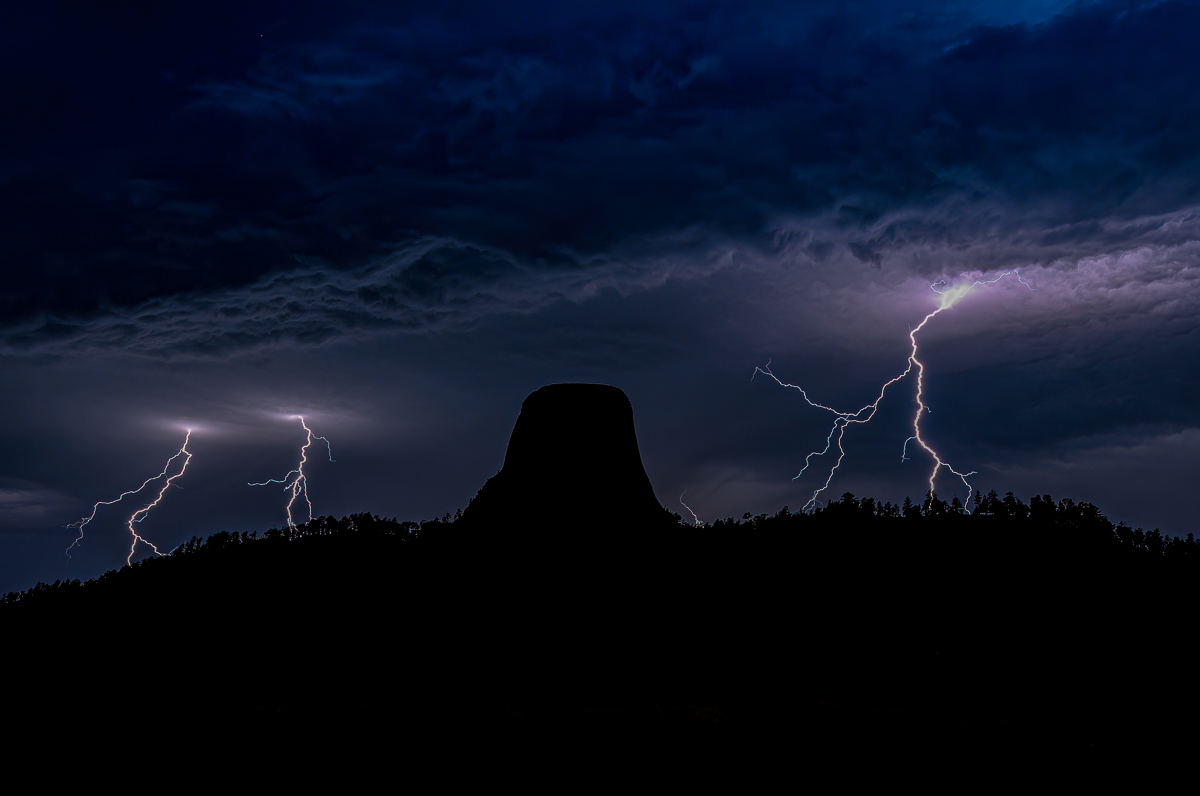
566 611
1019 625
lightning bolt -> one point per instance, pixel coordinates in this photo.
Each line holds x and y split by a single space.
141 513
842 420
695 519
295 481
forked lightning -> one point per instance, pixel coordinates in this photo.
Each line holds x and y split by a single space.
948 298
141 513
295 481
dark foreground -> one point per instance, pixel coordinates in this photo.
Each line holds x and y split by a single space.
849 644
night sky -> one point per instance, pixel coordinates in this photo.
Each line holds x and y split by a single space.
398 220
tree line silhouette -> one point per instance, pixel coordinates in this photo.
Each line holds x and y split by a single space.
1083 527
212 548
1009 613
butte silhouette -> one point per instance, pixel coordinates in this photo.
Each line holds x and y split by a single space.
572 462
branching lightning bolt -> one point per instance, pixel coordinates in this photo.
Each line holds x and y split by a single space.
295 481
843 419
141 513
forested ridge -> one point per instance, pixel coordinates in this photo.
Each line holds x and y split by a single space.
1018 619
216 549
1044 525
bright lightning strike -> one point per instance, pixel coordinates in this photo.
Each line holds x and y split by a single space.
948 298
295 481
141 513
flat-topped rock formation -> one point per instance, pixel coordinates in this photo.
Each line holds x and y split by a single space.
572 462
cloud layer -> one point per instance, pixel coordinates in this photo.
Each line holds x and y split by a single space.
549 138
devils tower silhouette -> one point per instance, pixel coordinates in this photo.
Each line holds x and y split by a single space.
572 462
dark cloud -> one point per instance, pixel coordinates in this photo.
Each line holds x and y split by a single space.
208 160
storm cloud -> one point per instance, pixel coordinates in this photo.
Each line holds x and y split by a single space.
554 136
